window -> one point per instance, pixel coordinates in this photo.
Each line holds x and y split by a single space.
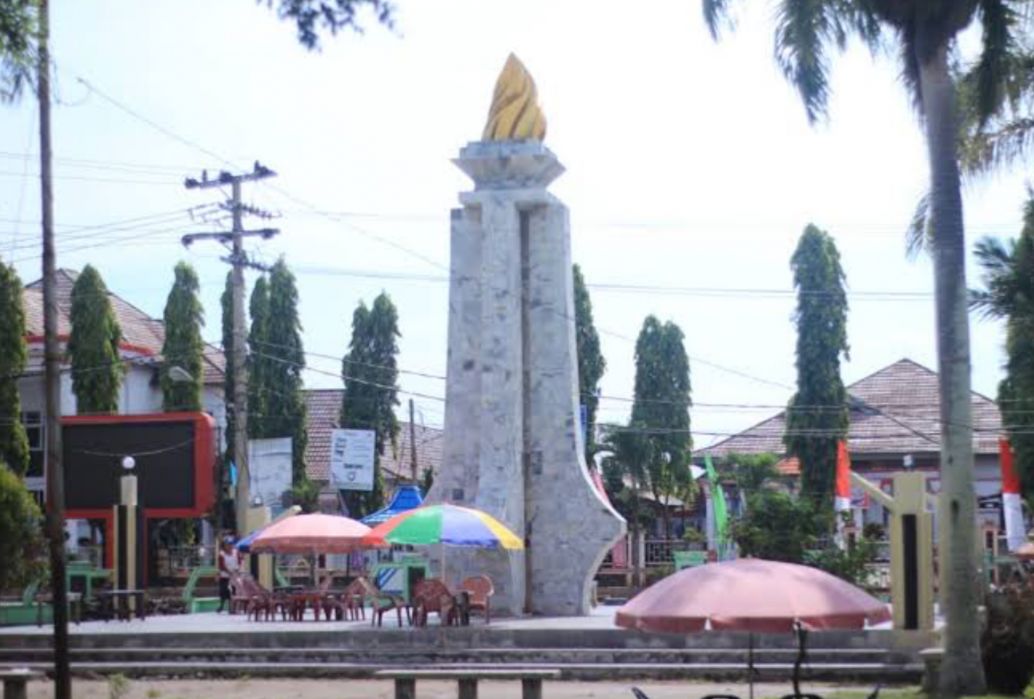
33 422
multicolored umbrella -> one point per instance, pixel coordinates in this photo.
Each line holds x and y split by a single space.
450 525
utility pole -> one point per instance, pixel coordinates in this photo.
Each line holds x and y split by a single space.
238 259
52 374
412 443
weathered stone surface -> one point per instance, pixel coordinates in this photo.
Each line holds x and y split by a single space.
513 443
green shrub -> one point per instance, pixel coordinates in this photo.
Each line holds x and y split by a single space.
1007 643
21 533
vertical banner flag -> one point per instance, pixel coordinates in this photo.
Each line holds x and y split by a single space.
1012 507
721 512
842 489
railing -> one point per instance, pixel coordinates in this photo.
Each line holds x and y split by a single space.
177 561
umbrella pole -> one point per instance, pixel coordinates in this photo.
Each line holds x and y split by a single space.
750 664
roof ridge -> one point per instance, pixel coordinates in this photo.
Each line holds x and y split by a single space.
903 360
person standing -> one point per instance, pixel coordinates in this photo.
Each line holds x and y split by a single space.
229 564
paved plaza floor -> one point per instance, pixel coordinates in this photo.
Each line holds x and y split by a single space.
602 617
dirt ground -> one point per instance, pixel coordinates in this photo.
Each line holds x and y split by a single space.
383 689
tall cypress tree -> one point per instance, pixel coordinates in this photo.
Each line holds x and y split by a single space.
183 347
817 415
93 346
591 363
370 373
284 358
258 336
14 444
229 377
660 413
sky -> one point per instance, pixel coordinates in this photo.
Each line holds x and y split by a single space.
691 171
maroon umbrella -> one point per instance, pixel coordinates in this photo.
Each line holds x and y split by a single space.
750 594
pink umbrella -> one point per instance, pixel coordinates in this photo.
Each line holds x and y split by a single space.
1025 552
312 533
750 594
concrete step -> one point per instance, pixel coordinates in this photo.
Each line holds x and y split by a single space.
885 673
461 655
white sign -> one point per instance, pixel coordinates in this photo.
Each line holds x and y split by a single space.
351 459
269 465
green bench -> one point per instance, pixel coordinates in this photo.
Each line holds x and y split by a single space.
688 559
200 604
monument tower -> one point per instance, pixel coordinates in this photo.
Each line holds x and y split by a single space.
513 439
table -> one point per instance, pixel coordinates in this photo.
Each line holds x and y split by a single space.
89 577
300 600
531 680
15 680
118 601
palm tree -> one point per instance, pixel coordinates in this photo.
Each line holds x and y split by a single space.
1009 294
806 32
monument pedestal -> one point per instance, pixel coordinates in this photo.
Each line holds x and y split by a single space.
513 440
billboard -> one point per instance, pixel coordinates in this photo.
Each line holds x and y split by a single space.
351 459
174 455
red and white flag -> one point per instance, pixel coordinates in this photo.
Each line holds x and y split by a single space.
1012 505
842 491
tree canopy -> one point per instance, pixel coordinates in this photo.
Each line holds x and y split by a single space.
660 412
591 363
229 375
183 346
284 360
315 16
21 534
370 373
258 360
17 46
817 416
1008 294
93 346
14 444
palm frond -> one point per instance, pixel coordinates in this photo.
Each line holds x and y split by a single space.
983 151
910 65
998 261
982 302
804 28
717 15
919 234
998 20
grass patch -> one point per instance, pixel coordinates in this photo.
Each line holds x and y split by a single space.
904 693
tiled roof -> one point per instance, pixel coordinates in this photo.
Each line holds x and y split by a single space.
894 411
324 408
141 333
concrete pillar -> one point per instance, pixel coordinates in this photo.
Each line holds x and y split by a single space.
911 541
512 445
129 538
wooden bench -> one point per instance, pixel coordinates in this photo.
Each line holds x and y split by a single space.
531 680
15 681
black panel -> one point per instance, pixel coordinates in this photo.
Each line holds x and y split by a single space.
164 454
910 551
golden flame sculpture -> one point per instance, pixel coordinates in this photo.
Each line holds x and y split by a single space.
515 112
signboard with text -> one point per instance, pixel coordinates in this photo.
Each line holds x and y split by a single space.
351 459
